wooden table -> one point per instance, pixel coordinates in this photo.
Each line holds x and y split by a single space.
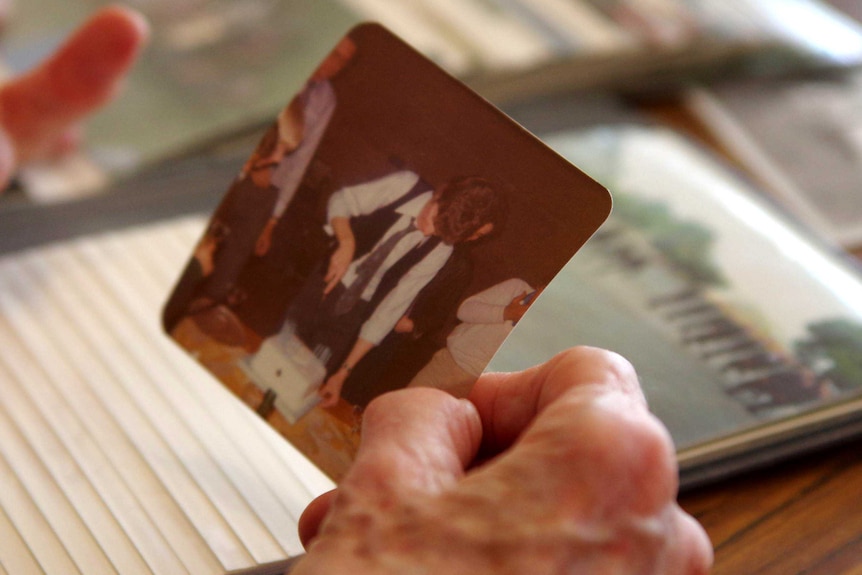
800 517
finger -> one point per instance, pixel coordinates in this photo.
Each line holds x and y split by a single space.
417 439
689 550
81 76
332 281
621 457
7 159
312 517
509 402
5 10
594 457
66 142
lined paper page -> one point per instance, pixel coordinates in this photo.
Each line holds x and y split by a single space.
118 453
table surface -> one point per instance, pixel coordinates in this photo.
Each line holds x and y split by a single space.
801 516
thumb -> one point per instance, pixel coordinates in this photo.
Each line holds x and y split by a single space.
417 439
313 515
81 76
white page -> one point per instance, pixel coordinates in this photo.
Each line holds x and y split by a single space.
118 450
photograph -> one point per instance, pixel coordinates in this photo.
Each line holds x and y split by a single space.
389 231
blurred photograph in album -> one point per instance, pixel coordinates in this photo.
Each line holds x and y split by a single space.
389 230
745 326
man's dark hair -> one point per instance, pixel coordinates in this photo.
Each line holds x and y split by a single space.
464 206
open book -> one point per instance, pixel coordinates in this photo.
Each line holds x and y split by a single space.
746 330
118 454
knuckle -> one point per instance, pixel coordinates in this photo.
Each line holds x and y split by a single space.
592 365
598 357
642 444
626 452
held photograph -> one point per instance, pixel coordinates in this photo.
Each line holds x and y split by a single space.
389 231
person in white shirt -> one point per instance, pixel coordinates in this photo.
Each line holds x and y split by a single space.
301 126
392 235
486 320
262 192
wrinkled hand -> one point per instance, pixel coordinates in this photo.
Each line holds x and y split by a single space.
580 478
40 112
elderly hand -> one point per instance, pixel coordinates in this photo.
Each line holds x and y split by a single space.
558 469
40 111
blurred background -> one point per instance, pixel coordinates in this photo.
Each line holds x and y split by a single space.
729 132
220 69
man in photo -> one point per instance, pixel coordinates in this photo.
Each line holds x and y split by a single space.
486 320
265 187
391 237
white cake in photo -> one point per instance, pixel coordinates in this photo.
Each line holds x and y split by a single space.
286 366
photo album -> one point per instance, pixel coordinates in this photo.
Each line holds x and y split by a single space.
744 326
185 361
